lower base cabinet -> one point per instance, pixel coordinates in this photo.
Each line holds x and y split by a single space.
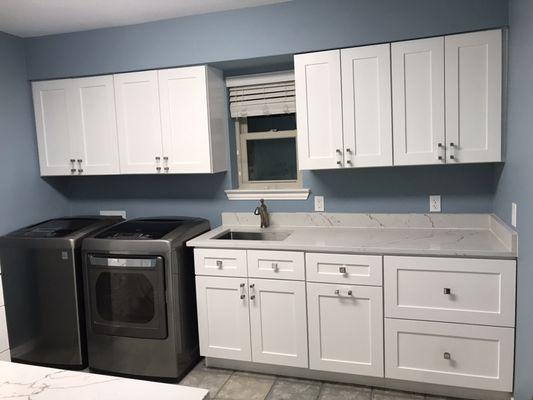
345 328
472 356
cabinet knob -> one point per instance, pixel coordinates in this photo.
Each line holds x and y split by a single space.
219 264
342 270
447 290
241 285
275 267
447 356
252 297
339 163
350 292
73 170
337 291
243 296
348 150
252 285
338 151
349 162
80 171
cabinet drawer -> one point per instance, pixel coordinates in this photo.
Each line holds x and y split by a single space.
475 291
4 342
344 268
471 356
220 262
276 264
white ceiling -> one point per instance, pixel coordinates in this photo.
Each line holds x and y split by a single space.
27 18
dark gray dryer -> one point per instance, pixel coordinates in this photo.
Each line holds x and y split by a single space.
43 291
140 297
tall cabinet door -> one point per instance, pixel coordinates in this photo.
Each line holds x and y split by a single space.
345 328
93 105
139 122
55 132
474 97
366 102
223 317
319 110
278 322
185 119
418 101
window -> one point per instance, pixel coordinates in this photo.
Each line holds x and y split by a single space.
266 152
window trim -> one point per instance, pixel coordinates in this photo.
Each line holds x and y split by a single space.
242 136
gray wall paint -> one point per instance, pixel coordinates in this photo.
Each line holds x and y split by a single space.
515 181
287 28
24 197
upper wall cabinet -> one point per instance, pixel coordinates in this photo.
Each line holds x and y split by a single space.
474 97
418 101
76 130
168 121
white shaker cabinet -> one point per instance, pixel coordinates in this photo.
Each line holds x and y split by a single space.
223 317
278 322
418 101
193 109
76 128
53 122
319 110
474 97
366 104
139 122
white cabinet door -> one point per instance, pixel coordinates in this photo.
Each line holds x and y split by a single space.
418 101
139 122
345 328
93 108
366 103
223 317
55 136
185 120
474 97
278 322
319 110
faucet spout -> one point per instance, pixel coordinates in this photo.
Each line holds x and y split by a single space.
262 211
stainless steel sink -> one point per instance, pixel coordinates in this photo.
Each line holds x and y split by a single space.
250 235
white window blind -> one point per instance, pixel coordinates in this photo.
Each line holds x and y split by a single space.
262 94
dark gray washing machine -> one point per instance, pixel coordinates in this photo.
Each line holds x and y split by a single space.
140 297
43 290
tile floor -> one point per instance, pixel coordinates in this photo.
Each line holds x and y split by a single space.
233 385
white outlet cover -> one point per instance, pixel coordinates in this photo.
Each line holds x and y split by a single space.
319 203
434 203
513 214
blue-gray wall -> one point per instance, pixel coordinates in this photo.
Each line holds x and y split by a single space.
515 183
24 197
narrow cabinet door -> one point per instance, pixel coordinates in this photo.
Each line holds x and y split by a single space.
93 105
138 122
345 328
185 120
418 101
474 97
223 317
366 102
319 110
55 136
278 322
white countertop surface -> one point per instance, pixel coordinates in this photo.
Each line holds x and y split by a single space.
20 381
466 235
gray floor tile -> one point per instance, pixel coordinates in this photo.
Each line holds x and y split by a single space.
294 389
246 386
211 379
378 394
332 391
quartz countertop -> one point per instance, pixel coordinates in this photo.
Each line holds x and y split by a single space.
20 381
463 235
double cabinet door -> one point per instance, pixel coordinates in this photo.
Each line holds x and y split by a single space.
260 320
76 129
165 121
427 101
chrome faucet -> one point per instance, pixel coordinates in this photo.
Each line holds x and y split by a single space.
263 213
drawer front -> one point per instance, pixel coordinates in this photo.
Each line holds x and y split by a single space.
276 264
344 268
472 356
474 291
4 342
220 262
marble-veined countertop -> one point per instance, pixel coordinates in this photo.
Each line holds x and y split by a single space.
20 381
461 235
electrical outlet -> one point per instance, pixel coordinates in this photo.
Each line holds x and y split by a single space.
513 214
434 203
113 213
319 203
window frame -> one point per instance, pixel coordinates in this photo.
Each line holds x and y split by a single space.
242 136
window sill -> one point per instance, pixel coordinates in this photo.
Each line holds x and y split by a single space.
267 194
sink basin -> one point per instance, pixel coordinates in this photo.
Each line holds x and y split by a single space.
250 235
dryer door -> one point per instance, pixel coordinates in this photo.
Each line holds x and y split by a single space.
127 296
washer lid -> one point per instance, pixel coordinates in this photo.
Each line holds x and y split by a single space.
143 229
55 228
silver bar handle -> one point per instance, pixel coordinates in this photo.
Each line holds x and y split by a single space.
165 159
453 147
243 295
158 164
441 151
252 287
80 169
219 264
72 165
